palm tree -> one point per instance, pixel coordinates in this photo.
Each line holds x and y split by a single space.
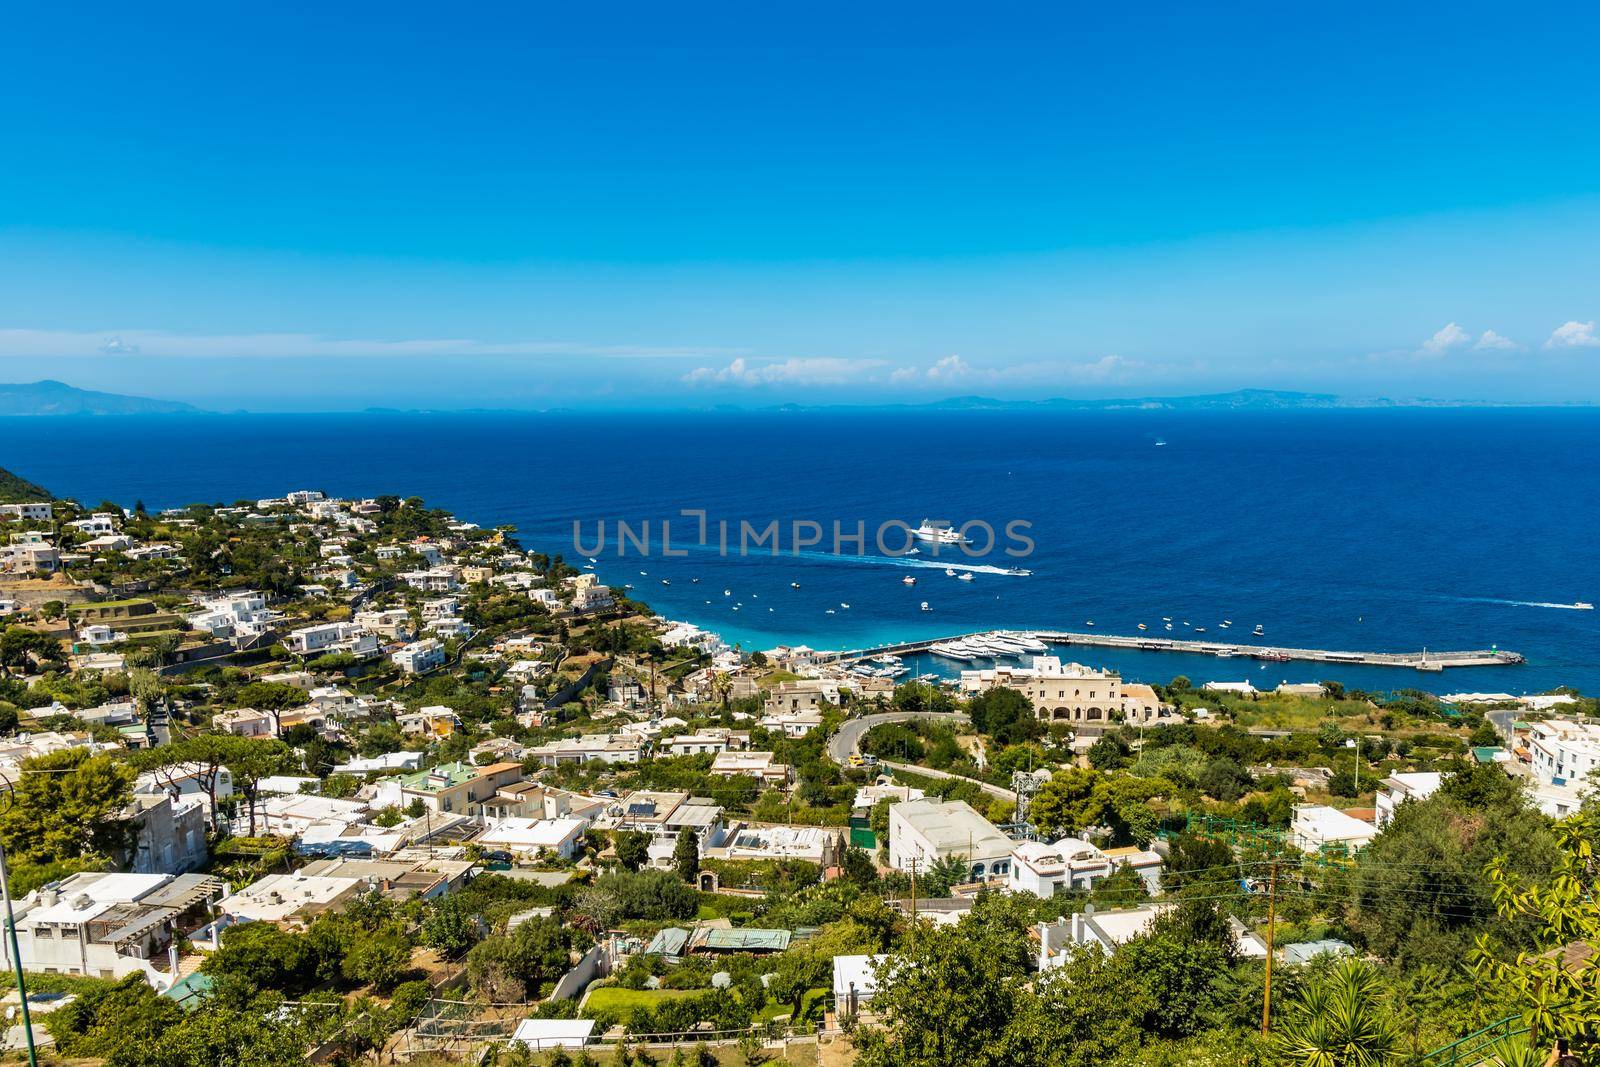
1340 1020
722 687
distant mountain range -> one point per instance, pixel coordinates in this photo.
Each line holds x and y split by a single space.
1238 400
58 398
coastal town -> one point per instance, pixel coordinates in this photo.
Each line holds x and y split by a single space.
360 781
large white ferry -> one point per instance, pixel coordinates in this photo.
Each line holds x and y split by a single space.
938 533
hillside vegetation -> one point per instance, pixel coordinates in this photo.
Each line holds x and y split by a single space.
16 490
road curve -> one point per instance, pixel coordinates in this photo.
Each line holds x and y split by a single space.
847 742
1001 792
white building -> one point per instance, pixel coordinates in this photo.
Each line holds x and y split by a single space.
1244 689
604 748
420 656
233 615
541 1034
815 844
530 837
1108 929
1398 788
709 741
1045 870
331 637
40 511
791 723
757 765
391 761
106 925
923 832
854 982
1317 826
433 580
1562 751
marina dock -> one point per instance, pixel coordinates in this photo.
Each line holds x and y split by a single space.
1425 660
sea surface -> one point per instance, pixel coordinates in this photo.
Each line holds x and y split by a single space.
1362 530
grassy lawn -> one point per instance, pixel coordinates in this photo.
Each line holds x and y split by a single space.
622 1002
772 1011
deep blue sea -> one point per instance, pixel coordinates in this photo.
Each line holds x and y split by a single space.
1383 529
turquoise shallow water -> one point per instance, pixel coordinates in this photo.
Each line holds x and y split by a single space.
1386 530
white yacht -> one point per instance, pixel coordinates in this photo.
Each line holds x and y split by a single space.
964 576
925 606
908 580
949 572
938 533
794 585
843 605
1582 605
1258 631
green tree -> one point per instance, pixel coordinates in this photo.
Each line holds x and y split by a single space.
632 848
67 807
21 648
103 1018
1555 995
1004 714
1340 1020
446 926
686 854
943 1002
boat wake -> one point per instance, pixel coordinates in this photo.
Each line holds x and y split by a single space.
1578 606
917 562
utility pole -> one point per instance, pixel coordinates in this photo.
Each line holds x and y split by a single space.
16 960
913 898
1272 907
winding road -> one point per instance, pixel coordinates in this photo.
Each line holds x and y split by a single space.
847 742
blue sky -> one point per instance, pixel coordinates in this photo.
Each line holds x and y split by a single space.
342 205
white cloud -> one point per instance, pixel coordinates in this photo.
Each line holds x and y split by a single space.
1448 337
949 369
166 344
1574 335
1494 342
818 370
116 346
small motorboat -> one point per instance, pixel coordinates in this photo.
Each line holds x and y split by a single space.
949 572
1582 605
666 581
794 585
727 592
1142 626
1258 631
843 605
908 580
1088 622
1169 626
964 576
925 606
